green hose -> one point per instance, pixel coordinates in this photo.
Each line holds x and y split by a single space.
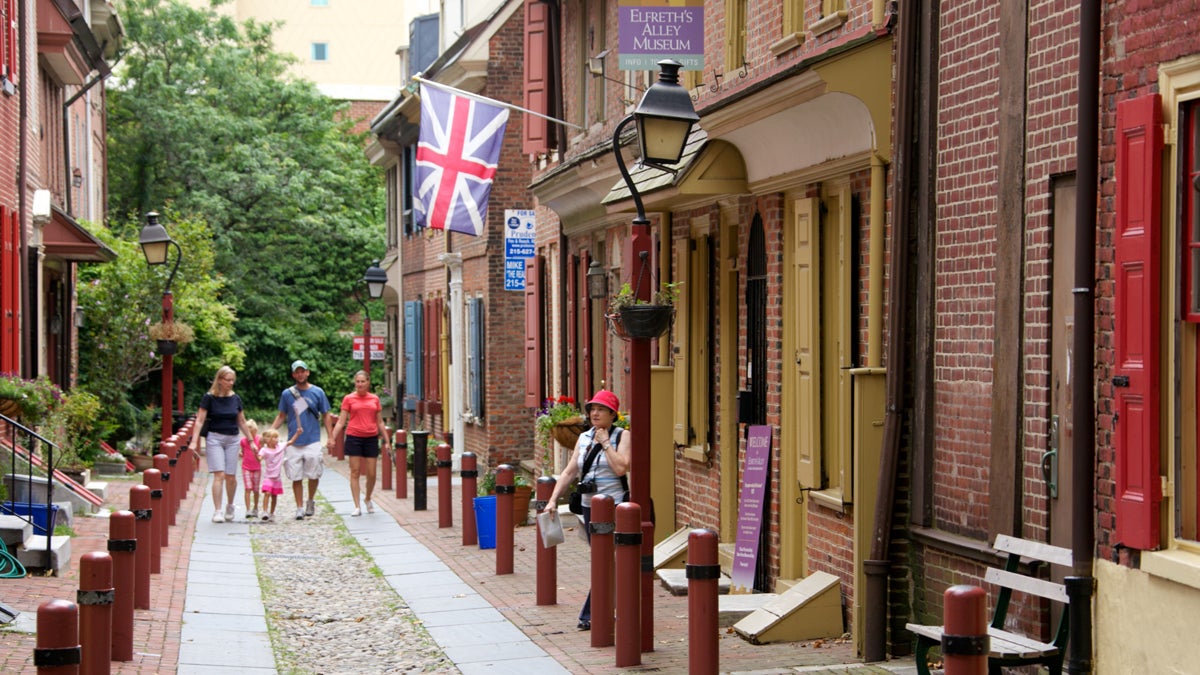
10 567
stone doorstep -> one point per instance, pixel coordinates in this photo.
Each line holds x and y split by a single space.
98 488
675 580
14 530
32 554
733 608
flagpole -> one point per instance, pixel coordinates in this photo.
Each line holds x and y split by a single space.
485 99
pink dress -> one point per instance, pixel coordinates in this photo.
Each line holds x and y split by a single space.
251 469
272 462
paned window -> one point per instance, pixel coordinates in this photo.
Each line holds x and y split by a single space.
320 51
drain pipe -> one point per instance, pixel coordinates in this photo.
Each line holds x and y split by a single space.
28 348
1081 585
875 568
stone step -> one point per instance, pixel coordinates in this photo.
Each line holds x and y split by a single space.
32 554
98 488
733 608
674 579
14 530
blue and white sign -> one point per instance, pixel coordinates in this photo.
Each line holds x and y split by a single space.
520 244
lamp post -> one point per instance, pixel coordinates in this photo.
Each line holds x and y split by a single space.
664 120
156 243
375 279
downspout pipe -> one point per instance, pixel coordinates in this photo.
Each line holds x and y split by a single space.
1081 585
876 566
28 350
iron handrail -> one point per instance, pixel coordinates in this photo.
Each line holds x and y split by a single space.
32 438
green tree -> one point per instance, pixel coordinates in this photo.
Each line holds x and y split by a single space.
122 298
203 117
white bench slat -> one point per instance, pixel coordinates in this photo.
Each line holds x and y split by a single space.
1034 549
1020 582
1001 642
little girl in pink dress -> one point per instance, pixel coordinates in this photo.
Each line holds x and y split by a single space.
271 454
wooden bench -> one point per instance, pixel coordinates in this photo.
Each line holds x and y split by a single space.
1007 648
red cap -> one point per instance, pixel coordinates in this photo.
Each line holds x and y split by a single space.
605 398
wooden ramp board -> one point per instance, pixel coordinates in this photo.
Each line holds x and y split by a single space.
672 551
811 609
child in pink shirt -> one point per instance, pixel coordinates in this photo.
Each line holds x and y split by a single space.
271 454
251 469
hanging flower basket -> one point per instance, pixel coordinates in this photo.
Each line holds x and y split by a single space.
10 408
642 322
165 347
567 431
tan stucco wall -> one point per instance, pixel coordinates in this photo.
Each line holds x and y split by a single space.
1144 623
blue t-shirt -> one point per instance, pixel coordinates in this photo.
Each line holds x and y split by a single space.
318 405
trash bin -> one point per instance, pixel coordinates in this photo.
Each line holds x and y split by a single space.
485 521
45 519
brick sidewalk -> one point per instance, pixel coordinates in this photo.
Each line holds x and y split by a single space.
553 627
155 630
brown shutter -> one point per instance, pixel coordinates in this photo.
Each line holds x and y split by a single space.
1136 314
533 332
537 72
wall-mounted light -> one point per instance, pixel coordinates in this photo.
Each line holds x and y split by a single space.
596 64
76 177
79 317
597 281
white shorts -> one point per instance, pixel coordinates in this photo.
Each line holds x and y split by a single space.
303 461
222 452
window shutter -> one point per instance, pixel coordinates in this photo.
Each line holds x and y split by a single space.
533 332
572 325
683 313
412 357
805 244
9 282
1136 315
537 68
433 325
585 323
475 358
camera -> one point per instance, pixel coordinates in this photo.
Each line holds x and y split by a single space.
586 487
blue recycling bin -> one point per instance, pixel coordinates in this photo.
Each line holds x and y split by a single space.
485 521
44 520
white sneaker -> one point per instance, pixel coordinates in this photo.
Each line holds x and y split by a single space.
370 507
217 517
310 509
356 512
252 514
299 513
229 512
268 517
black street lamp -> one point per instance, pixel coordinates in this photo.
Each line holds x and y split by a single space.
156 245
375 279
664 118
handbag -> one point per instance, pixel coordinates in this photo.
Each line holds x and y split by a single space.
575 503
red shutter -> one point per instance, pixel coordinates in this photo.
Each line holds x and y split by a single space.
9 282
537 69
585 341
533 332
433 364
1137 318
572 326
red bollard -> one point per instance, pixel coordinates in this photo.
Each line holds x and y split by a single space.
470 481
169 449
602 528
965 642
703 574
386 459
122 546
152 479
400 445
57 651
95 612
628 540
163 464
445 510
139 504
504 519
547 558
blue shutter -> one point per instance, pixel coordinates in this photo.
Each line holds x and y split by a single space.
475 349
412 357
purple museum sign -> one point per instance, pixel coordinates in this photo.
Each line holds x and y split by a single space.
750 506
653 30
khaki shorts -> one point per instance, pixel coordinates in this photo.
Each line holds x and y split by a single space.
303 461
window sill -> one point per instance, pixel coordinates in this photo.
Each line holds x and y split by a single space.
696 453
786 44
829 23
1178 565
830 499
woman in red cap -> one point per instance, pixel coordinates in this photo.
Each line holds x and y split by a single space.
601 459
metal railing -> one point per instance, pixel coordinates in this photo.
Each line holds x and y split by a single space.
38 454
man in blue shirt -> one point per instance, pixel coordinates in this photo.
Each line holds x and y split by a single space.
307 404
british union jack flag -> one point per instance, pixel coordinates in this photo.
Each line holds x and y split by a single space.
457 154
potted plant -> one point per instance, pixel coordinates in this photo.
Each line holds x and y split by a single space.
559 419
633 318
170 334
522 494
30 401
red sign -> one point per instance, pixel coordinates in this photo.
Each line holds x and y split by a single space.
377 347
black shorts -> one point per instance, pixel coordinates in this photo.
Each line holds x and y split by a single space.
362 446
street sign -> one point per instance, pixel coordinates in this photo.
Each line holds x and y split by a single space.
378 348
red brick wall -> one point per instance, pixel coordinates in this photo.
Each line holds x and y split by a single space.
361 113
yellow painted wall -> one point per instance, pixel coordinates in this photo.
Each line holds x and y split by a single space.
662 450
1144 623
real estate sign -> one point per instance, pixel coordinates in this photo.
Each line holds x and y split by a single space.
653 30
519 245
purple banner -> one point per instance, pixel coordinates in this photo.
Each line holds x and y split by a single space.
750 505
652 30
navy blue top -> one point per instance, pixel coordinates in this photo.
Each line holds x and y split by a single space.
222 413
